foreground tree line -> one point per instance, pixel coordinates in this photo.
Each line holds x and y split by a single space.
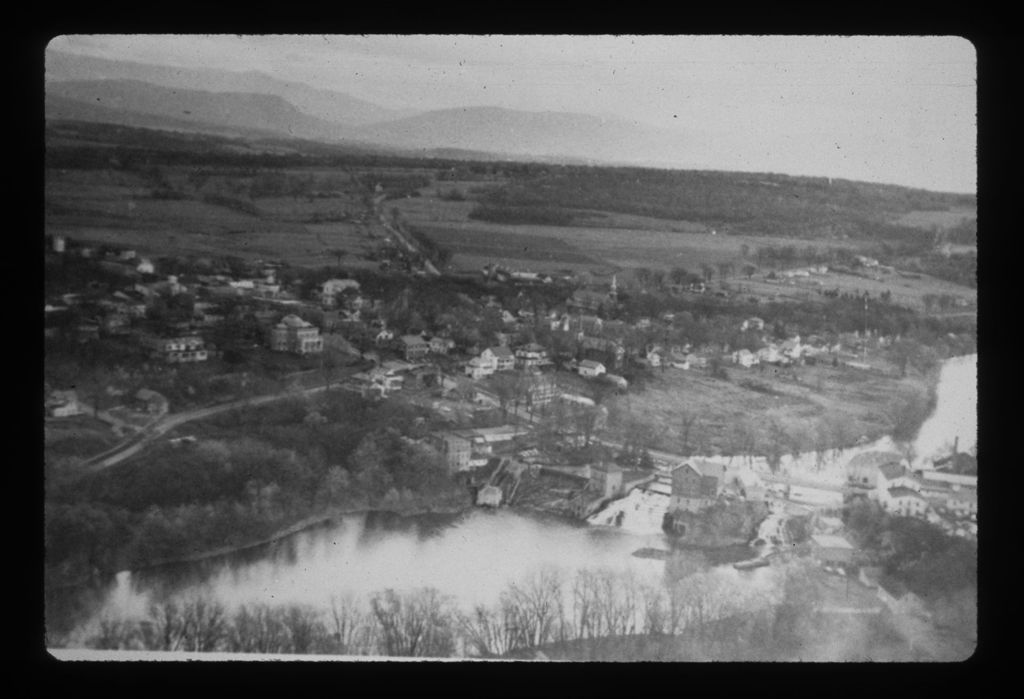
714 616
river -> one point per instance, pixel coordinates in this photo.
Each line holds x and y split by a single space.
474 556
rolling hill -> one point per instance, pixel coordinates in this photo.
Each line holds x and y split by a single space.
336 107
134 102
547 135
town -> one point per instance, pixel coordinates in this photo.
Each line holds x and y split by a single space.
328 375
516 385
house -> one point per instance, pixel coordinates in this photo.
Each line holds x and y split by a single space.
769 355
606 479
441 345
695 485
531 355
455 448
63 404
180 349
383 337
832 549
590 369
331 288
145 266
896 476
541 390
862 470
292 334
903 501
502 356
745 358
414 347
752 324
899 599
151 401
963 502
376 382
479 367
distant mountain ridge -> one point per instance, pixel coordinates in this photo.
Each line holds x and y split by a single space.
328 105
551 135
245 112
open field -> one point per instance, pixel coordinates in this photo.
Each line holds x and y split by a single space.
905 291
622 248
939 219
855 401
114 207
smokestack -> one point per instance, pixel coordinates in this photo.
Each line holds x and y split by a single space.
956 441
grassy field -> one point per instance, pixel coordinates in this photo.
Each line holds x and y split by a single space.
109 206
854 401
905 291
619 240
939 219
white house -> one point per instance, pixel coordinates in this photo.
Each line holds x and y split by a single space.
145 266
590 369
502 357
531 355
745 358
903 501
484 365
63 404
752 324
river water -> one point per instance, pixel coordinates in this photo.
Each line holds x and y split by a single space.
474 556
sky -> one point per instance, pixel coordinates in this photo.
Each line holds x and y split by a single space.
900 110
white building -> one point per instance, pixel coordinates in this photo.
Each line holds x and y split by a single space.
590 369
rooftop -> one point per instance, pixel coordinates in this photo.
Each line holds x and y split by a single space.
901 492
832 541
891 471
874 458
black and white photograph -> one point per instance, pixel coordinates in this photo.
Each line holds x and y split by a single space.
510 348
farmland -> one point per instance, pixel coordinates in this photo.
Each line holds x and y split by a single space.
114 206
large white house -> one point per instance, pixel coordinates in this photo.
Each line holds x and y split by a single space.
591 369
484 365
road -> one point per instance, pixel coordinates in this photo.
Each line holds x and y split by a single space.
401 237
158 428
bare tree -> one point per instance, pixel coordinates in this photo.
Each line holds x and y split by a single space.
304 627
165 627
349 626
534 609
205 624
257 629
418 624
488 631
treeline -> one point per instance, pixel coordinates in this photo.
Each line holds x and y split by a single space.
304 457
735 202
526 215
596 614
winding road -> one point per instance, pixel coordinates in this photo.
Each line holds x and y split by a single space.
161 426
